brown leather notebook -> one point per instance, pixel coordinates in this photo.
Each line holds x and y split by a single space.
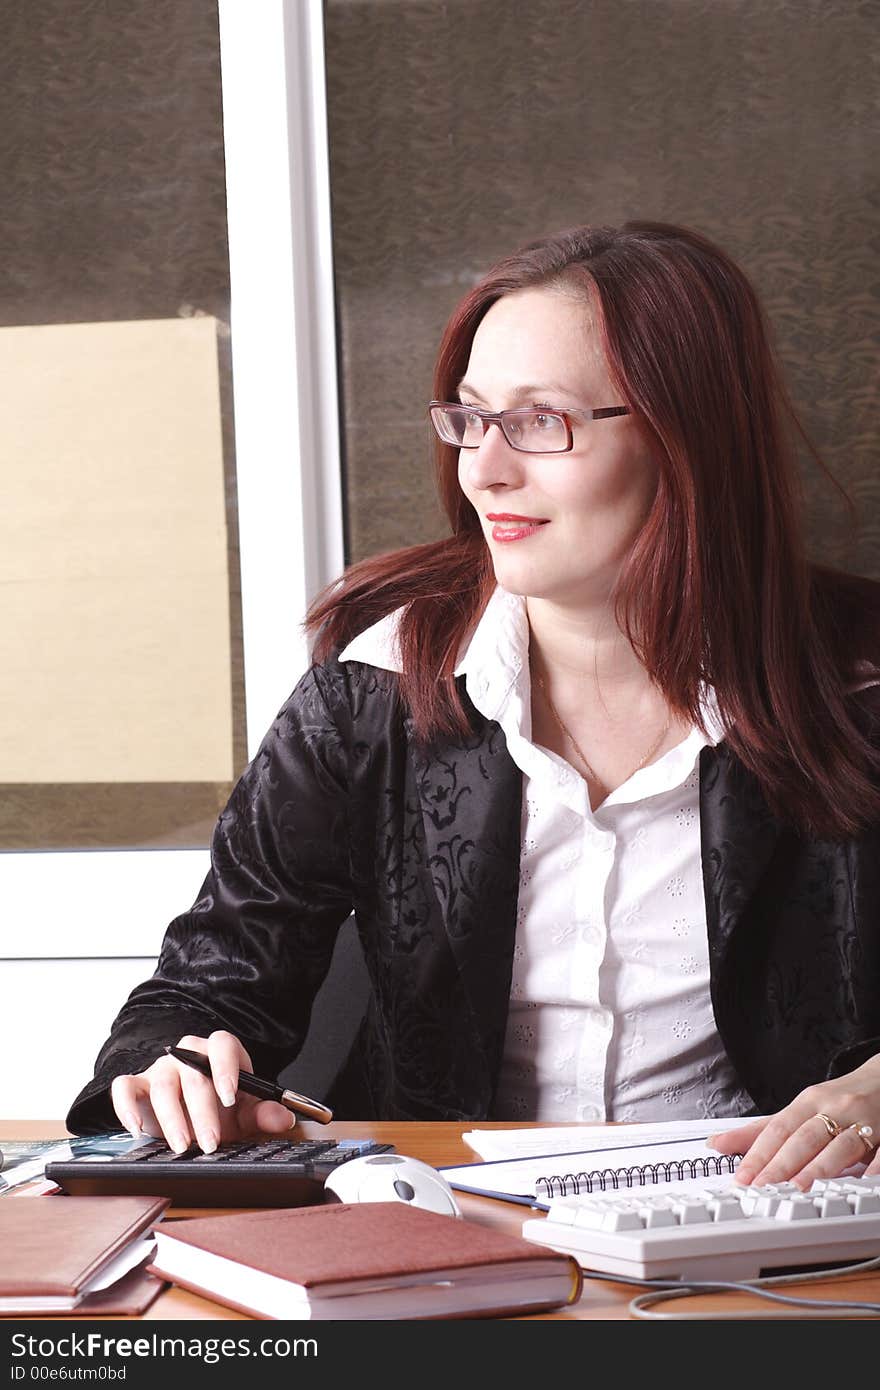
365 1260
55 1251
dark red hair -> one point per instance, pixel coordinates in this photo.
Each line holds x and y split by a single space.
717 586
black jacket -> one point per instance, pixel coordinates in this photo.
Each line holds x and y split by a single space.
340 812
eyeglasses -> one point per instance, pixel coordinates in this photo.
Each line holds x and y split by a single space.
533 430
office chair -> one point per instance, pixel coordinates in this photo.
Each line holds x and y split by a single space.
339 1008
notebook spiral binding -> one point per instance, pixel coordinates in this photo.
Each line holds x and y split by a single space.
572 1184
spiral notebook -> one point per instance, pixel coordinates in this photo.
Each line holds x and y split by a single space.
535 1181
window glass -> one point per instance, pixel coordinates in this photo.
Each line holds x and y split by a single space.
121 687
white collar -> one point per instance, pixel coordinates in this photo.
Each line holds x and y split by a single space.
377 644
504 617
491 662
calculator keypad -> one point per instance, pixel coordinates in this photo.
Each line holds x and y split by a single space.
268 1172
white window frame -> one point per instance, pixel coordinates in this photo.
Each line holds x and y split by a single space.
106 903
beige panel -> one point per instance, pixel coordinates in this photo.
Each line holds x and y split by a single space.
115 628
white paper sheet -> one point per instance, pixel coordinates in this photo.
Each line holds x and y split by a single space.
523 1143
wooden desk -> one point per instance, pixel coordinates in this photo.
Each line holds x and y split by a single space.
440 1143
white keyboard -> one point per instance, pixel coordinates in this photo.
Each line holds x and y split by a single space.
734 1233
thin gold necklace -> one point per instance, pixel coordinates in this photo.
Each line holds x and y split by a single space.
566 732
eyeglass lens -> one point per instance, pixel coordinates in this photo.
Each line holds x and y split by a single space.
536 431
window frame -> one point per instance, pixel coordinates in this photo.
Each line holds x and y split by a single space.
115 903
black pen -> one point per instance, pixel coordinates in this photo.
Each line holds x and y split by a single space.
256 1086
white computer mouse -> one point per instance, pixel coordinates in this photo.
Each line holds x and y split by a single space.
392 1178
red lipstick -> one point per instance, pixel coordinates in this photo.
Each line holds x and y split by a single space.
511 527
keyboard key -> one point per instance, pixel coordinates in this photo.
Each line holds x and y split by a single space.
832 1204
802 1208
725 1208
767 1204
591 1215
564 1209
749 1199
657 1215
691 1211
861 1203
621 1218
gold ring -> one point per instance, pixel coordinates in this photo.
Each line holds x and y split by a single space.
864 1132
831 1126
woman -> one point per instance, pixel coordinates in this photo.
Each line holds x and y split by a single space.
597 773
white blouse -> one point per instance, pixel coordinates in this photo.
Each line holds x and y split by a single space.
610 1016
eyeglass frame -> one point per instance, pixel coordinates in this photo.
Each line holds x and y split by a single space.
497 417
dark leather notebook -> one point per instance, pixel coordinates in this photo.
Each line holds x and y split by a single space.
367 1260
54 1249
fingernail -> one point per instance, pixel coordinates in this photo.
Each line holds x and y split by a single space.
208 1142
133 1125
712 1139
226 1091
179 1143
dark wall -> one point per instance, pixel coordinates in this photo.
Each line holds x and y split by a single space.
460 128
111 151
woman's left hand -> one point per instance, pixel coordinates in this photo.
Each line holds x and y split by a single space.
796 1144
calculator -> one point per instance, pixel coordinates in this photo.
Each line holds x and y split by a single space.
260 1172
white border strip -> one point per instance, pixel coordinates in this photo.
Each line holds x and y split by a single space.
314 293
283 334
98 903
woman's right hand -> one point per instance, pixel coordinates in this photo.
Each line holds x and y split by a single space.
173 1101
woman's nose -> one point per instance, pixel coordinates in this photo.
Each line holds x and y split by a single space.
494 461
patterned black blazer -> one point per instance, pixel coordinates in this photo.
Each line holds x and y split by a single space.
340 812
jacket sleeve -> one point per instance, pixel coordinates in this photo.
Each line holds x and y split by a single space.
252 951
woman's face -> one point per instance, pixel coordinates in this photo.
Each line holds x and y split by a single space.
542 347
